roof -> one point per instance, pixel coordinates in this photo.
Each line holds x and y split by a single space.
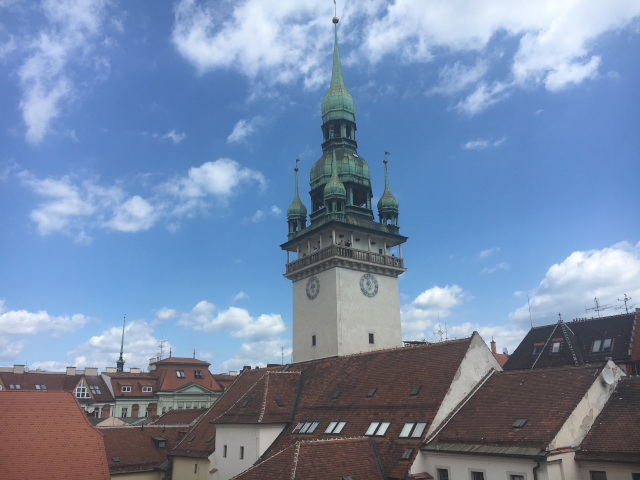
135 381
180 417
181 361
501 358
543 397
615 434
355 457
33 424
136 449
223 379
578 340
190 371
58 381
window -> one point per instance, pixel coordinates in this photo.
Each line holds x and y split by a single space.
306 426
41 386
95 390
635 476
313 340
192 438
146 389
195 468
477 475
443 474
180 373
336 394
245 403
224 451
241 453
371 392
377 428
197 373
407 454
516 477
336 427
519 423
537 348
415 390
126 388
371 338
555 346
81 390
124 412
210 438
598 475
601 346
279 402
413 429
14 386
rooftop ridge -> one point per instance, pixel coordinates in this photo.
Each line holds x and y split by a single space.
584 319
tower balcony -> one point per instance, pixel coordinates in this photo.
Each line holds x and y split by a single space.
346 257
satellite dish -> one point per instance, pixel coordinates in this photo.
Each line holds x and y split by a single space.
607 376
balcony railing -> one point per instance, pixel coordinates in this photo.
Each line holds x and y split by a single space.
344 252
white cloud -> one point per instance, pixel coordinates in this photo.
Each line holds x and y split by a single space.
23 322
9 350
240 131
259 353
488 252
175 136
240 296
421 316
51 57
496 268
134 215
481 144
166 314
483 97
571 286
276 211
457 77
237 322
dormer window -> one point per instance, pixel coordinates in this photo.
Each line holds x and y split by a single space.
602 346
82 391
555 346
146 389
537 348
197 373
180 373
126 388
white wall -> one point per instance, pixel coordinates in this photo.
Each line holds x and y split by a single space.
254 438
460 466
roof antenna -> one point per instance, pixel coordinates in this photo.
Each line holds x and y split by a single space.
625 300
194 353
598 308
529 305
335 9
120 362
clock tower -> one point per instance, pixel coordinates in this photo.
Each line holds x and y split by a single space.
344 274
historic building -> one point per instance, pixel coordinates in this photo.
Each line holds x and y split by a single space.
344 274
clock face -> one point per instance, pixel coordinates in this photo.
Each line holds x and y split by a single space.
313 287
369 285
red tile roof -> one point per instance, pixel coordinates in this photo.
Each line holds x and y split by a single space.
615 435
135 448
46 435
182 361
544 397
501 358
320 460
57 382
180 417
167 379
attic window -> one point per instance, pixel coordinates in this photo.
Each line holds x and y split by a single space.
537 348
279 402
519 423
197 373
555 346
41 386
413 429
180 373
371 392
95 390
126 388
210 438
336 394
14 386
407 454
347 477
600 346
336 426
192 438
245 403
115 459
377 428
415 390
146 389
306 427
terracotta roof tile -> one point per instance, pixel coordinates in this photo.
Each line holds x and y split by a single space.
57 382
304 460
33 424
135 448
615 434
544 397
180 417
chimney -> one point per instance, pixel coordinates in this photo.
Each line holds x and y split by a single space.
71 370
18 369
110 370
91 371
493 346
134 370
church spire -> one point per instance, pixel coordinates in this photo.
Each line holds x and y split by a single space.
337 103
120 362
297 212
388 206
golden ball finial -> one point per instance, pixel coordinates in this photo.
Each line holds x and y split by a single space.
295 169
385 161
335 20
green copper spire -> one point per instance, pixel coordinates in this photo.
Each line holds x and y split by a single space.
334 189
120 362
388 206
297 212
337 103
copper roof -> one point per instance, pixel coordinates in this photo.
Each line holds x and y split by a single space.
47 433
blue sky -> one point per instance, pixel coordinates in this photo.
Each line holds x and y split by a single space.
148 151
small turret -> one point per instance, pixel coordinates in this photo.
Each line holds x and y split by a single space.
388 206
297 212
335 194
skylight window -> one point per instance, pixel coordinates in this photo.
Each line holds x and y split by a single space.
413 429
14 386
407 454
279 402
415 390
600 346
306 426
95 390
335 427
372 392
180 373
115 459
192 438
210 438
41 386
377 428
245 403
336 394
519 423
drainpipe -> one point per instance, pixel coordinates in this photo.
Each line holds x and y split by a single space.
536 468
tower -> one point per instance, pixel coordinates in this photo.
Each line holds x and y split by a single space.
120 361
345 278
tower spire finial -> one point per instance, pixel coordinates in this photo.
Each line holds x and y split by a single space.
120 362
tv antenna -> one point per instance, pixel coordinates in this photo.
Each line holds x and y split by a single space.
625 300
439 332
529 305
598 308
161 347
